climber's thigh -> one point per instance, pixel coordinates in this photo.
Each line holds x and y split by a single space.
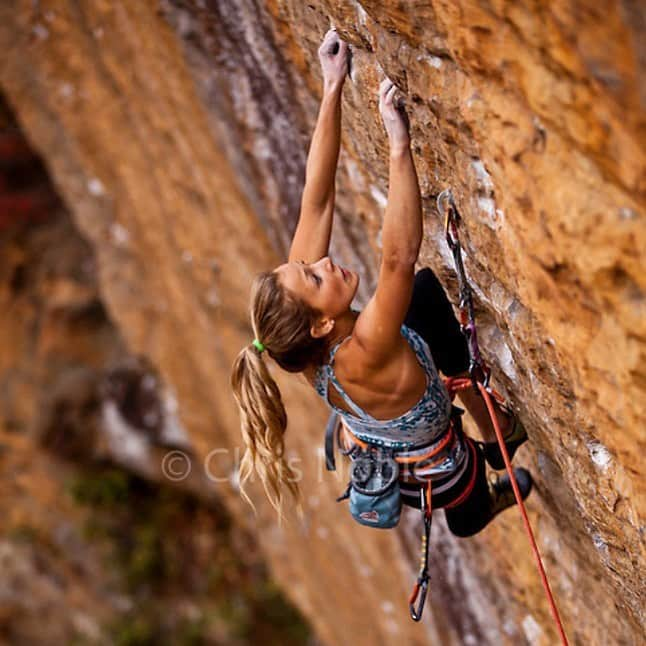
431 315
474 513
410 491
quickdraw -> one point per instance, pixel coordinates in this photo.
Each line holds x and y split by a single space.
453 385
421 586
480 375
478 369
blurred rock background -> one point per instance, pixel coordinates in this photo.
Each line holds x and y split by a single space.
151 162
96 546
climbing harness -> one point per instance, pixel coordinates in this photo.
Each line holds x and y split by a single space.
480 374
453 385
373 489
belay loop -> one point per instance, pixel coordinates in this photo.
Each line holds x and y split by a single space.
478 369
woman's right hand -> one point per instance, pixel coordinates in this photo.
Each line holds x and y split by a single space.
333 54
394 115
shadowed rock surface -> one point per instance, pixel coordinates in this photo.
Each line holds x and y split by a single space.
176 134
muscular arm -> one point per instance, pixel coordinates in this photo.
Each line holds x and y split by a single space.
312 235
378 327
402 228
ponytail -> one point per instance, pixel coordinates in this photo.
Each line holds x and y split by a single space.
263 423
281 324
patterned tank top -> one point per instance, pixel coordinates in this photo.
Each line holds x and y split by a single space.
424 423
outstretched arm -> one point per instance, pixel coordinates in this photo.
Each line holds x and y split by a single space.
378 326
312 235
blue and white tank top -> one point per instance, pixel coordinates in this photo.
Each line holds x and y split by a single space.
425 422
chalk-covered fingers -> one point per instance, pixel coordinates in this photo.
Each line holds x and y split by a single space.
333 54
393 113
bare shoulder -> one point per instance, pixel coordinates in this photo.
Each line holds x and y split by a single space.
383 389
350 359
378 326
375 346
356 363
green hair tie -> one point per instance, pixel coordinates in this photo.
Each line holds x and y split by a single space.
259 346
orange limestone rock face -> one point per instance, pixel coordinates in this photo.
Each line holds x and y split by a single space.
177 132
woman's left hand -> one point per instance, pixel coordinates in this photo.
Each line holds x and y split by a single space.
333 54
394 115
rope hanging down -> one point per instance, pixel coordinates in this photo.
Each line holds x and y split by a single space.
480 374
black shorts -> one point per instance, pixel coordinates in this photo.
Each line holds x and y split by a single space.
431 315
473 513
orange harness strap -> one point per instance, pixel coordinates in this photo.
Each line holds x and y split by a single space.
469 488
405 459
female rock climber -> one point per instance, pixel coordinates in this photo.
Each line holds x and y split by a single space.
377 368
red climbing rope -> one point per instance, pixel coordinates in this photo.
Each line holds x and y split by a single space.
480 377
521 506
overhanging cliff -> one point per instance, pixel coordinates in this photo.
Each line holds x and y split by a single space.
176 133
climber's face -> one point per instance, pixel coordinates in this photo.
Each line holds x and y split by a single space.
323 285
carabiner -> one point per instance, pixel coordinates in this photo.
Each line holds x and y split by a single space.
422 584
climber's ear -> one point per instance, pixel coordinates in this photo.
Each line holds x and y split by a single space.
322 327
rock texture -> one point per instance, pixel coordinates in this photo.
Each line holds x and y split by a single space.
176 133
104 538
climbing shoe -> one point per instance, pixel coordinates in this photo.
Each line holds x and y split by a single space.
492 452
501 493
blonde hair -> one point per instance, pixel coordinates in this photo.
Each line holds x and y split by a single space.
282 323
